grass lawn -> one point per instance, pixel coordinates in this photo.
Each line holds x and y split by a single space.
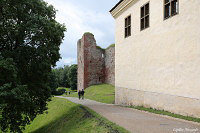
162 112
104 93
66 117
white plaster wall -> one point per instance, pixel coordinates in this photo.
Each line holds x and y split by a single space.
164 58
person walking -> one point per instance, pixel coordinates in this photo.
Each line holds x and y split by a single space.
79 94
82 93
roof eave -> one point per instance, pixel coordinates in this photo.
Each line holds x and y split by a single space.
120 7
116 5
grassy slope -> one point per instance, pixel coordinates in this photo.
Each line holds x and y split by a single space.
162 112
104 93
64 116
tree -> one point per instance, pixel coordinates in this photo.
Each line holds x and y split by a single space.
53 82
72 75
30 38
62 76
58 73
65 79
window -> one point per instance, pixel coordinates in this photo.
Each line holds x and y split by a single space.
128 26
170 8
102 55
144 16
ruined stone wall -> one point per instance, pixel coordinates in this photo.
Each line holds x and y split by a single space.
95 65
94 62
110 65
80 59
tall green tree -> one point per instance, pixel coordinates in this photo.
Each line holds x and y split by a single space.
59 73
65 79
53 82
62 76
30 38
72 75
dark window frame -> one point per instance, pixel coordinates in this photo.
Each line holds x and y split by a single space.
145 16
127 26
171 11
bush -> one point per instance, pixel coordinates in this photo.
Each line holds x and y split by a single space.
59 92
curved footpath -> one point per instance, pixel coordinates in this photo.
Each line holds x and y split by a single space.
139 121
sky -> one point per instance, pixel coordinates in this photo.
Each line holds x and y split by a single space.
80 16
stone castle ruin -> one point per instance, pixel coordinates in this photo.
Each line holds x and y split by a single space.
95 65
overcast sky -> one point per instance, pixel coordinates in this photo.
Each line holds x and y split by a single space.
82 16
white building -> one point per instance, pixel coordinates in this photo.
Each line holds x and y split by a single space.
157 54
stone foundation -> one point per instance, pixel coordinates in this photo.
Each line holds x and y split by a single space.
175 104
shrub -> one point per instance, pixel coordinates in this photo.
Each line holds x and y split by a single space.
59 92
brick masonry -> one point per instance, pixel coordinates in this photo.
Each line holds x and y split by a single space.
95 65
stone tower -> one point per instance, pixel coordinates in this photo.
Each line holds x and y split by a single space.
95 65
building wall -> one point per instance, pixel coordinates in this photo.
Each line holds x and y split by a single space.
163 60
95 65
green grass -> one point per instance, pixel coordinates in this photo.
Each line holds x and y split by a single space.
100 47
88 33
66 117
162 112
104 93
112 45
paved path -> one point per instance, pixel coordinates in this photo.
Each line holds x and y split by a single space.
139 121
